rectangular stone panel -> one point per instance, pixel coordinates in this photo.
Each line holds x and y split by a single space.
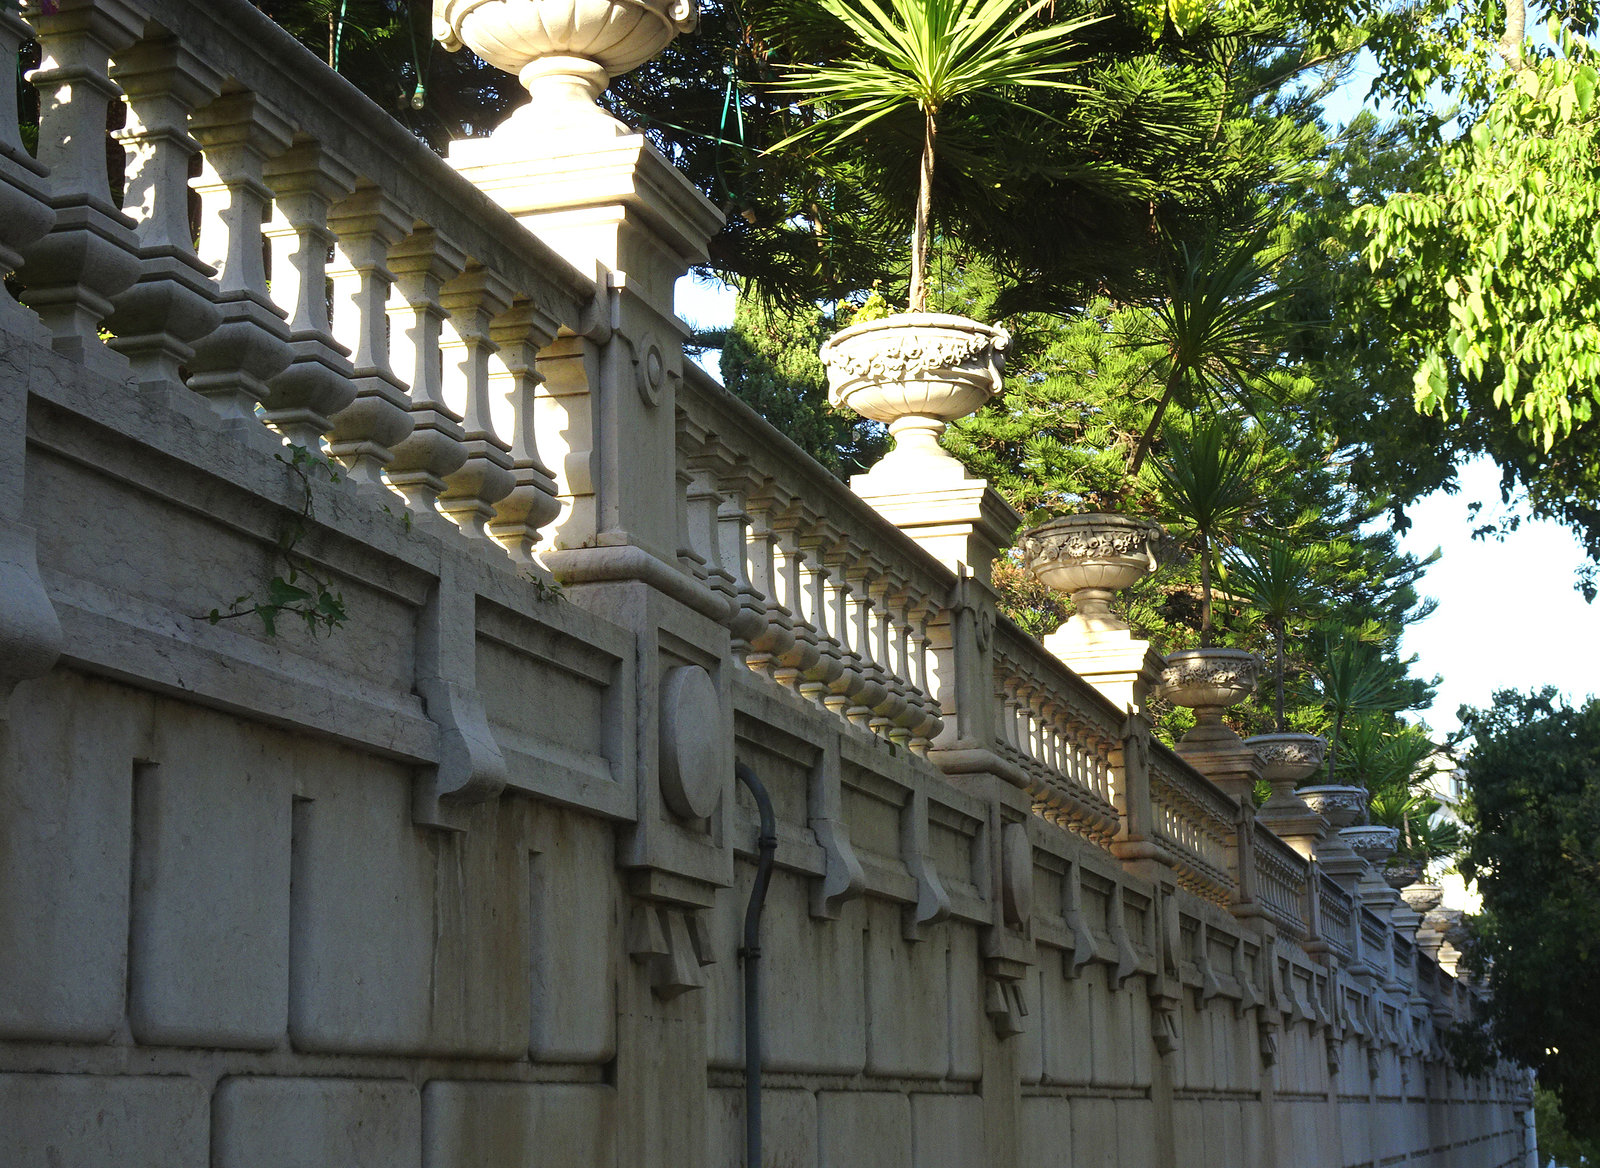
210 941
788 1129
551 1125
947 1131
363 915
908 1006
815 988
86 1121
315 1123
66 771
1046 1136
574 937
859 1128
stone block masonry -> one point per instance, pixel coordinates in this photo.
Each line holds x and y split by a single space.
457 879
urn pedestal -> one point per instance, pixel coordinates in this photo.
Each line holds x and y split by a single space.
1208 681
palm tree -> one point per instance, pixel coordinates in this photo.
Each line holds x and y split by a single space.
1207 480
926 54
1216 330
1275 577
1356 677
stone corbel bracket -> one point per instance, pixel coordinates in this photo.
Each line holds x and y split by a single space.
470 767
1003 999
842 876
1166 987
933 902
30 633
1117 924
1210 986
1083 946
672 941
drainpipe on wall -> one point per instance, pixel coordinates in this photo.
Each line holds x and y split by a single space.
750 954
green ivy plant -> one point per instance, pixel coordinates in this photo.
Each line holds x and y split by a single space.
296 590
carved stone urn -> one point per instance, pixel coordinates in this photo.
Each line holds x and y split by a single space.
1374 844
1423 898
1208 681
1091 558
1402 872
1286 760
565 52
916 372
1342 807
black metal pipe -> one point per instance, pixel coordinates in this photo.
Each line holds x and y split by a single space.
766 848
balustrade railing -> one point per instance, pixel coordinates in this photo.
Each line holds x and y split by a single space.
1060 732
1337 911
1281 875
420 377
1193 821
420 373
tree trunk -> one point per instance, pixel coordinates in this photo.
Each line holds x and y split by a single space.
1333 747
1277 637
1147 439
1516 29
1205 592
919 228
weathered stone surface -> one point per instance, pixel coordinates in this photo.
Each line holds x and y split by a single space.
315 1123
908 998
363 915
1046 1132
553 1125
788 1123
946 1131
815 983
131 1121
66 776
574 938
863 1127
210 941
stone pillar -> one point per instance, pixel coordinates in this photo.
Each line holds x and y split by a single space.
615 207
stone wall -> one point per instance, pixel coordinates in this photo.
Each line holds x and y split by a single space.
238 933
457 878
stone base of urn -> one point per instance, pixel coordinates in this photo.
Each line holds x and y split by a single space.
1118 664
1287 759
1340 806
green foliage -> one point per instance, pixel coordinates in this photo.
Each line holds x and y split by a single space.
297 590
769 360
1556 1143
1209 481
1534 851
1491 262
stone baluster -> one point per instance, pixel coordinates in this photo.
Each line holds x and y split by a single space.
913 711
473 300
25 211
733 520
777 637
852 677
923 734
873 688
318 382
436 446
233 364
699 545
793 595
90 253
174 301
1006 695
520 333
1050 731
886 592
365 225
817 682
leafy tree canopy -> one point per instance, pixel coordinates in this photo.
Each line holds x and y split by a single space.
1534 850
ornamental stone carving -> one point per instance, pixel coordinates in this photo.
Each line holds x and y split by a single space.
1374 843
1208 681
1091 557
1288 758
916 372
565 52
1340 806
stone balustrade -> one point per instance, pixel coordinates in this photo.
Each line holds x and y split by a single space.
581 579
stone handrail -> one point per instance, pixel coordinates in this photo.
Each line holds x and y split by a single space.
1193 820
290 153
1337 917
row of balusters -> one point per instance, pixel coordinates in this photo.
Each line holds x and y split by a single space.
1066 754
412 322
807 605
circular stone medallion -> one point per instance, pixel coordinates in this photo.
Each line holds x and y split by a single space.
691 741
